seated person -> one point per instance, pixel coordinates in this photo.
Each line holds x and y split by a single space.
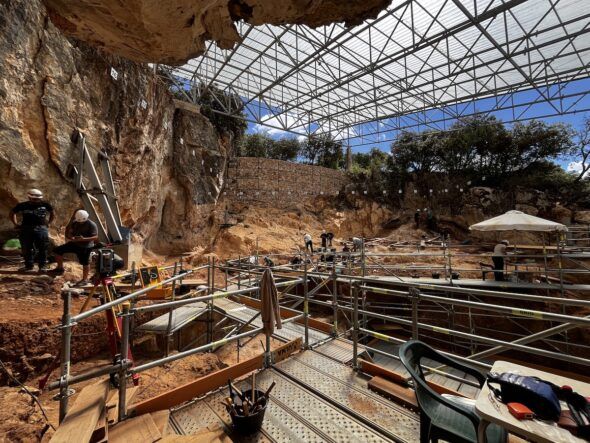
268 262
81 233
330 237
296 260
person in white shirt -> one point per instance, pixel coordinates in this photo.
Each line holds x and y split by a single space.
357 244
308 243
498 259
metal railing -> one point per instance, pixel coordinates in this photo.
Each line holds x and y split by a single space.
346 280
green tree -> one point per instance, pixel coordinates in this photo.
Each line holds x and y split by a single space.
323 150
418 153
255 145
285 149
581 150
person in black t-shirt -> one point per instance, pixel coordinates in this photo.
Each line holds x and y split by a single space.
324 238
36 215
330 237
81 233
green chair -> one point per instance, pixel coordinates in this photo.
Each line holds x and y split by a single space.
441 417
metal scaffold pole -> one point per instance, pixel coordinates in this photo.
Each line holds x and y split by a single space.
334 298
171 313
415 298
355 325
66 342
305 304
126 316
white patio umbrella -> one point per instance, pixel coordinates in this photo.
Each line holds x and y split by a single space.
518 221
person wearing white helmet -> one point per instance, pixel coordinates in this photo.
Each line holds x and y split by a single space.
81 233
498 259
35 216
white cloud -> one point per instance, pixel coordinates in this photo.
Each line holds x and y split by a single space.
336 134
576 167
272 124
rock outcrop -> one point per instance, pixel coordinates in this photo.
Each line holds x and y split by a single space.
175 30
50 85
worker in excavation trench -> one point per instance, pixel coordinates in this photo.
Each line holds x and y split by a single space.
36 216
498 259
81 234
308 243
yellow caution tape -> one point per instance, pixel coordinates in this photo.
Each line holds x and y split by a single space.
381 336
527 313
441 330
219 343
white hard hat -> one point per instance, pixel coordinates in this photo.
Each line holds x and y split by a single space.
81 216
35 194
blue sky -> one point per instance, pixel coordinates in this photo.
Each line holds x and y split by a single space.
571 99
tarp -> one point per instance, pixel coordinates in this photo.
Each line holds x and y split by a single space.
518 221
270 310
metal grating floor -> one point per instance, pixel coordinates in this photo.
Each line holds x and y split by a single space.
397 366
180 318
310 405
340 350
289 332
345 388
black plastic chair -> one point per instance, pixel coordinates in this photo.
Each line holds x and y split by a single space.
440 417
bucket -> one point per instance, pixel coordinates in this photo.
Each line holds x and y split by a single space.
252 423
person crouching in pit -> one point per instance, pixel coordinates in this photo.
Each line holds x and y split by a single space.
81 233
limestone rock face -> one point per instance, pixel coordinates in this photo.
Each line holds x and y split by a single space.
50 85
173 31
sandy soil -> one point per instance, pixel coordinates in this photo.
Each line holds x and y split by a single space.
31 306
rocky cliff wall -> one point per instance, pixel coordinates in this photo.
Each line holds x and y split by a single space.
167 163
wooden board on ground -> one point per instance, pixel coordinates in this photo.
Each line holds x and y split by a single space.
209 382
204 435
161 420
286 313
140 429
394 391
210 434
113 403
80 421
102 426
376 370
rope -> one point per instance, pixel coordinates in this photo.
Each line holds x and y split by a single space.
24 388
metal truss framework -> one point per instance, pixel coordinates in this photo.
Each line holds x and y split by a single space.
422 64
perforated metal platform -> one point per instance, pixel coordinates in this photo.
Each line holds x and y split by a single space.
343 387
340 350
180 318
332 404
289 332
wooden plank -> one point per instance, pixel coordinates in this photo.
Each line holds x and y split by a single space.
161 419
376 370
81 419
207 383
140 429
288 313
113 403
395 392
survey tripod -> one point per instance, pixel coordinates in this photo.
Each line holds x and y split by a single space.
105 291
108 293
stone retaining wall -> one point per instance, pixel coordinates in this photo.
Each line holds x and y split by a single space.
263 180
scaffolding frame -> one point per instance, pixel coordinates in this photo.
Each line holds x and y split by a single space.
421 64
344 282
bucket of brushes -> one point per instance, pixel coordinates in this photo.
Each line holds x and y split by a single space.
246 408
